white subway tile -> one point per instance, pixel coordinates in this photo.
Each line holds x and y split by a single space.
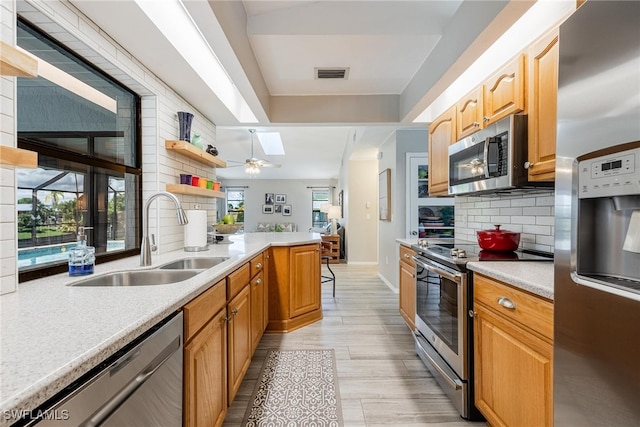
537 229
500 203
511 211
523 219
491 211
523 202
500 219
545 201
8 284
545 220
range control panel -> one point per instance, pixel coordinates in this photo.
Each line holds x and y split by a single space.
615 174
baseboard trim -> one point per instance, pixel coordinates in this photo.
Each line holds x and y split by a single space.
388 283
362 262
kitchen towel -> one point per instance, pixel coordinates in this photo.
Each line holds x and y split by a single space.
632 240
195 231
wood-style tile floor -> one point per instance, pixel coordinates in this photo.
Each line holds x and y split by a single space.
381 379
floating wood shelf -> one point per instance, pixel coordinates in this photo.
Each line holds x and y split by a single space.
194 191
14 62
10 156
193 152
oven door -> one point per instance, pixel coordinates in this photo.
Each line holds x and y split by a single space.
441 297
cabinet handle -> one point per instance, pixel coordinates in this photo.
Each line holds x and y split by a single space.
258 265
528 165
234 311
259 281
506 303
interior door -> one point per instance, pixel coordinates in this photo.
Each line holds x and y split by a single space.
426 216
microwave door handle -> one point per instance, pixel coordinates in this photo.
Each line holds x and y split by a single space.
485 155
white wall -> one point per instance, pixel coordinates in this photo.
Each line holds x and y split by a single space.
361 228
297 193
159 122
394 154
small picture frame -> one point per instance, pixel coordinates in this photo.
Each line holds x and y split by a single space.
268 198
281 198
278 208
267 209
286 210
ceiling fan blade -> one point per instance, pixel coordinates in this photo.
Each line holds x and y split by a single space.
270 165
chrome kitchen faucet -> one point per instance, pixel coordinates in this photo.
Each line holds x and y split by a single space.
146 247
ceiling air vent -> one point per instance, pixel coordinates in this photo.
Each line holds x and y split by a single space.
332 73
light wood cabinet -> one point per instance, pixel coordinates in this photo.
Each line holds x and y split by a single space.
407 286
238 340
294 287
205 358
334 239
259 298
469 113
505 91
442 133
513 355
543 95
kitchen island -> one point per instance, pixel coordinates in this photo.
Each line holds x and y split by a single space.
52 334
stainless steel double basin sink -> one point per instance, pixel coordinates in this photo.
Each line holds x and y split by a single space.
172 272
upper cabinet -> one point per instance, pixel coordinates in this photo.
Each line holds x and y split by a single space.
500 95
542 108
442 133
504 92
469 117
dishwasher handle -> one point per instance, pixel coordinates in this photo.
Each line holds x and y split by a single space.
454 276
102 414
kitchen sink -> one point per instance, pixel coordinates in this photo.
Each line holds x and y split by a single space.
193 263
138 278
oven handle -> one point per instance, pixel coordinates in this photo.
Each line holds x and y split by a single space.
453 276
486 157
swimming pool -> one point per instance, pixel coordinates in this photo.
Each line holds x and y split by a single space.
29 257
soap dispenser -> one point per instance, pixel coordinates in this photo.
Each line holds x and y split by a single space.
82 258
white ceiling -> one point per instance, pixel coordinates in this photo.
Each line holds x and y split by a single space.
401 55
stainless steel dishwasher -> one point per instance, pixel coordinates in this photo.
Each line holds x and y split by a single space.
139 386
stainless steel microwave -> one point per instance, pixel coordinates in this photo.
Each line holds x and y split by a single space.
492 160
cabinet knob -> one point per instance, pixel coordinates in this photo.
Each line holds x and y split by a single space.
234 311
414 233
407 256
476 124
528 165
259 281
258 265
485 118
228 319
473 313
506 303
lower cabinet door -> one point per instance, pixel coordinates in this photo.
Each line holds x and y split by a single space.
408 294
513 373
305 279
239 334
257 310
205 375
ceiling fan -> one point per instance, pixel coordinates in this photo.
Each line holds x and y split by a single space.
253 165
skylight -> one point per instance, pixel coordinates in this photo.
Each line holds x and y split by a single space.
177 25
271 143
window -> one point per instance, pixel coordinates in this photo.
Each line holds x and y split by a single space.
84 126
318 198
235 203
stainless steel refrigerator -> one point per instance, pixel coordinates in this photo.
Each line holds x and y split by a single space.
597 226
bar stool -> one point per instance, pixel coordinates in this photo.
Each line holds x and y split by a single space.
326 255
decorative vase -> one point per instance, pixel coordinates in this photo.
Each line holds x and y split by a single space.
185 120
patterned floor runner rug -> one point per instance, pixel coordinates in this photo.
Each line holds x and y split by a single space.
296 388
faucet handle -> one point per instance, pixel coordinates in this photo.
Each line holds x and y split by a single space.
153 243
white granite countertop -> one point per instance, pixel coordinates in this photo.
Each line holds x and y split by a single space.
51 334
531 276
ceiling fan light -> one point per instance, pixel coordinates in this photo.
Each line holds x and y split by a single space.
252 169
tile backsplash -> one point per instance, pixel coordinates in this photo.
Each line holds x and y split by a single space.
529 214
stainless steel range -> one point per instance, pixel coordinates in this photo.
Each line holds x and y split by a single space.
444 329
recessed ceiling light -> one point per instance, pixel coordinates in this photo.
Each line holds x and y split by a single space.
271 143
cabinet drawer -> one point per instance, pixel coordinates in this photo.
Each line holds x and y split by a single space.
530 311
202 308
406 254
257 264
237 280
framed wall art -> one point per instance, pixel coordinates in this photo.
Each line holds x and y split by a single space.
384 195
267 209
286 210
268 198
281 198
